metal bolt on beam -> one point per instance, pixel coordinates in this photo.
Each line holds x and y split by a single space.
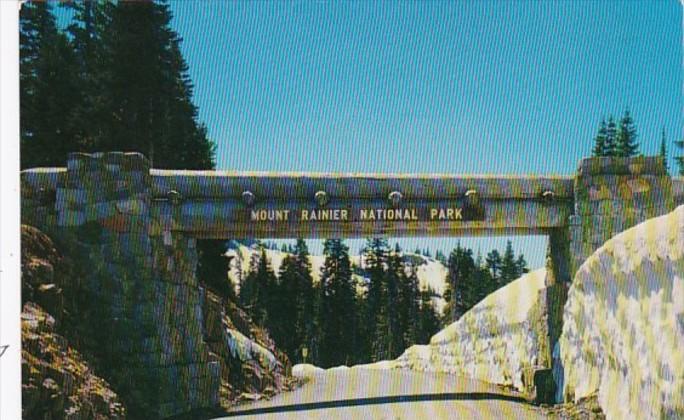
248 198
321 198
395 197
174 197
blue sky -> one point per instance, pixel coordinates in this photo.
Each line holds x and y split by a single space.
501 87
454 87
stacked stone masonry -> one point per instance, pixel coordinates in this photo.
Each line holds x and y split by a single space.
612 195
145 280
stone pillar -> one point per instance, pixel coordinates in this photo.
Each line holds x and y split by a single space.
613 194
558 277
141 286
558 281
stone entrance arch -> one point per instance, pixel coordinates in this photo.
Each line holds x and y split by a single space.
147 222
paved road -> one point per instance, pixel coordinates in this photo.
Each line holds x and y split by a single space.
391 394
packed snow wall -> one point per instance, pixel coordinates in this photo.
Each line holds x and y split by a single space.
501 340
623 329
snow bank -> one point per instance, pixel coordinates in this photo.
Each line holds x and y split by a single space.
383 364
306 370
495 341
243 348
623 324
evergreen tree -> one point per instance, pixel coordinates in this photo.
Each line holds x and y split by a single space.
461 281
509 268
268 300
375 259
663 150
493 264
409 305
213 267
482 280
148 105
600 139
611 137
249 286
428 321
119 82
305 325
259 288
338 302
394 335
439 256
480 285
449 314
680 158
521 265
313 341
292 316
626 145
90 20
283 314
48 89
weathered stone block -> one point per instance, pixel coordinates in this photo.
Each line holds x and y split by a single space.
114 170
616 165
70 198
135 162
600 192
167 238
136 181
126 223
77 161
67 218
134 244
113 158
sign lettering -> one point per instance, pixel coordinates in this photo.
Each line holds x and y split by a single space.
315 215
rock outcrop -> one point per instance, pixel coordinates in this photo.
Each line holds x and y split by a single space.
251 366
39 282
623 327
56 380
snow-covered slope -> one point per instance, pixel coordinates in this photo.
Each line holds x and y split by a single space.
495 341
431 273
242 254
623 332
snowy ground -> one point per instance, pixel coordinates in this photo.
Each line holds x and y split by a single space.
431 273
355 393
623 332
494 342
